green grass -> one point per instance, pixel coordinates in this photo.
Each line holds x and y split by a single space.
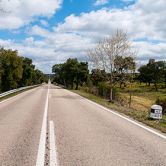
15 93
140 114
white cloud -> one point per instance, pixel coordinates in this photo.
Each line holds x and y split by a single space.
142 21
100 2
55 48
59 47
17 13
39 31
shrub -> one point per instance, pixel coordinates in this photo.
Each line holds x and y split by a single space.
104 90
162 102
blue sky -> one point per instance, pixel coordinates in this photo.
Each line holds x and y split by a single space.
69 7
50 31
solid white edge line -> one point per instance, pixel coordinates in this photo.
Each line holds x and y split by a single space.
41 150
126 118
53 149
129 120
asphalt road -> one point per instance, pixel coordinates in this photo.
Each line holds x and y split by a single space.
20 125
78 132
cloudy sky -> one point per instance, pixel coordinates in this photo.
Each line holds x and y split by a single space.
50 31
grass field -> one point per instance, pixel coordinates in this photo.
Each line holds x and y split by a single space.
143 97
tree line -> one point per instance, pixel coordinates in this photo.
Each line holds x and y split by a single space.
71 73
114 65
113 62
17 71
153 72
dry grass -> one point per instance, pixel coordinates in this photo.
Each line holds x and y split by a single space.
139 103
143 96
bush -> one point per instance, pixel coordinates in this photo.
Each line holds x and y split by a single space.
103 90
162 102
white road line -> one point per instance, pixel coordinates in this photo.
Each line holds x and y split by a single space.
41 150
126 118
53 149
129 120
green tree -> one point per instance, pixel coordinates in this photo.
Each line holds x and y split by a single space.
82 73
98 76
164 73
16 71
28 69
124 70
11 65
38 77
153 72
157 69
57 69
71 73
1 72
145 75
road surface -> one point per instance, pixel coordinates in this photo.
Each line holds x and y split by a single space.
52 126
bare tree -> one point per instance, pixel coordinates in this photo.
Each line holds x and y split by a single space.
106 51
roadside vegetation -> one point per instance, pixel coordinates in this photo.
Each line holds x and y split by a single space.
114 80
17 71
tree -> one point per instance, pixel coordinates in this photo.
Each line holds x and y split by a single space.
12 69
71 73
98 76
162 67
124 69
1 72
58 70
28 69
82 73
104 54
164 73
145 75
16 71
38 77
153 72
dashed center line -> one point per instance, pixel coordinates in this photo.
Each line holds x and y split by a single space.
41 150
42 143
53 149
